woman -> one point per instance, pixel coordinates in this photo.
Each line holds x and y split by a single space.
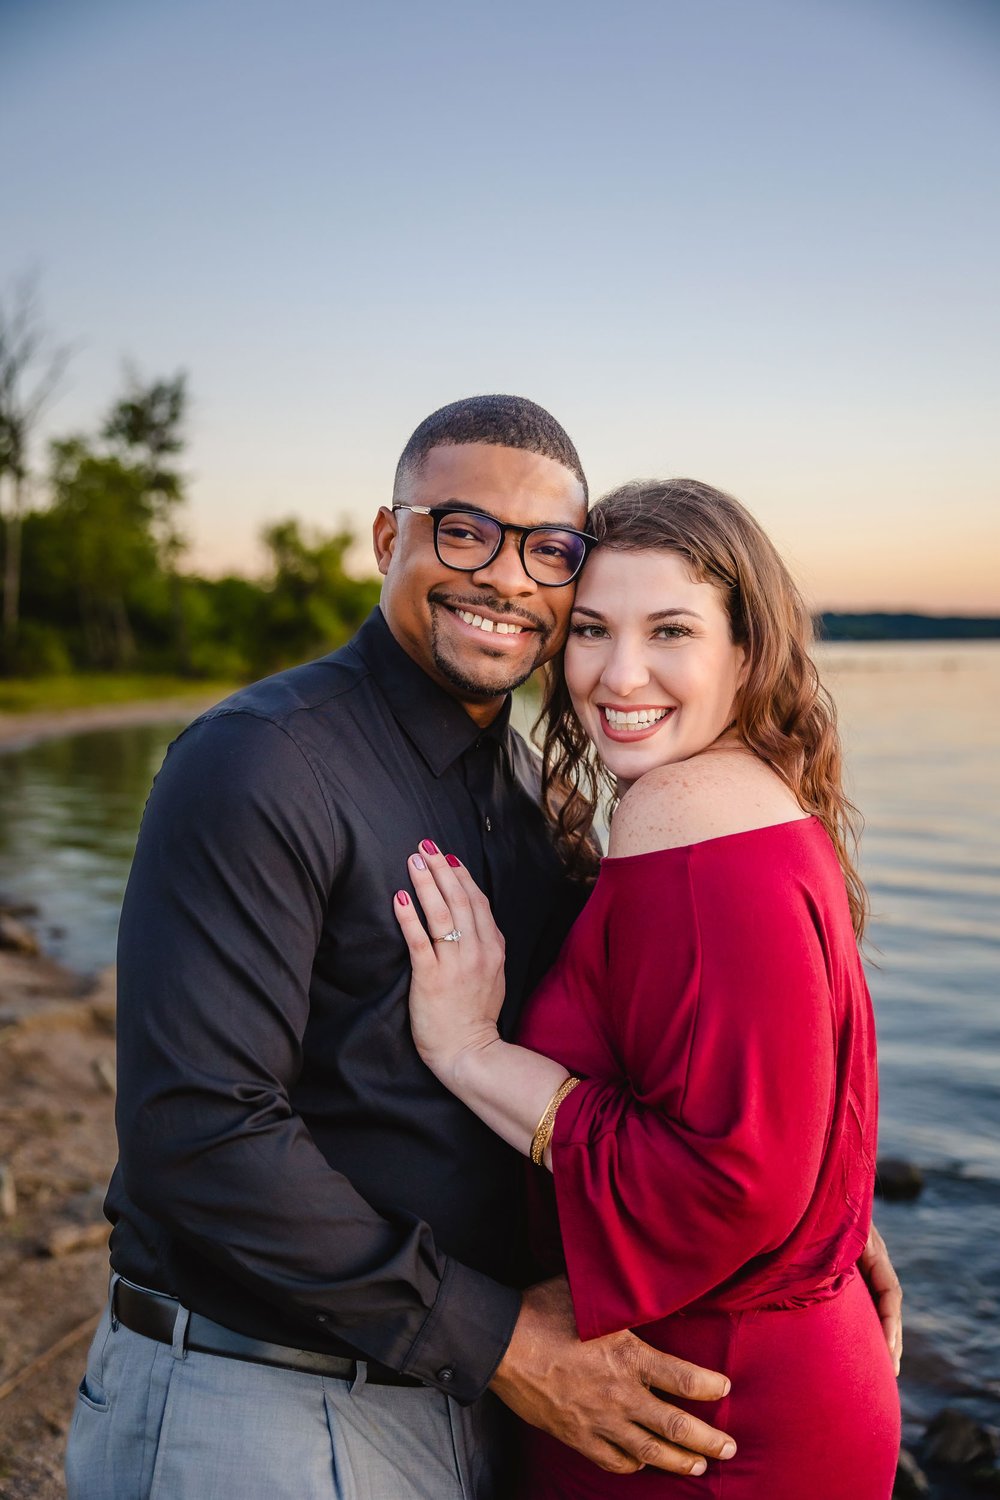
697 1072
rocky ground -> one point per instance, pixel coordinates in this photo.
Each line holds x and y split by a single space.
57 1147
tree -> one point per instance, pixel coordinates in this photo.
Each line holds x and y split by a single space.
103 517
313 603
30 371
145 425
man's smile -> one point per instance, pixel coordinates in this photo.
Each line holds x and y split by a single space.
505 628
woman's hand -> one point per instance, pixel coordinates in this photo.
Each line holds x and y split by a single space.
458 986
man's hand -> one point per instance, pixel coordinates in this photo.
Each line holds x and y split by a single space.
887 1294
596 1396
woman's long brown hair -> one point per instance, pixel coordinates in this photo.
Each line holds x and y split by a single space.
783 713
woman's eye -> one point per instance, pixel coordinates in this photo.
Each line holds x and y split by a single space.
588 632
672 632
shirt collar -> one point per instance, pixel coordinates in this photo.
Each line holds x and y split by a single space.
436 723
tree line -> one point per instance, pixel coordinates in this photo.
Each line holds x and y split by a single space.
93 575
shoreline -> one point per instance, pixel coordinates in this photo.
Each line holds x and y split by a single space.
21 731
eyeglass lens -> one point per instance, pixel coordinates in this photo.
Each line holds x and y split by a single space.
469 542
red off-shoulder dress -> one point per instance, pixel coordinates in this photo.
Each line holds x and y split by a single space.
713 1173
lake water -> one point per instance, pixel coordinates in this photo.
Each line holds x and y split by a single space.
922 730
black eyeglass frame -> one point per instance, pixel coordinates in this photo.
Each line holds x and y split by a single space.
437 514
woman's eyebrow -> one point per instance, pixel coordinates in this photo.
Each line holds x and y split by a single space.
669 614
660 614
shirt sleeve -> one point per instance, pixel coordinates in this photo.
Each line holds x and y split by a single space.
220 926
704 1154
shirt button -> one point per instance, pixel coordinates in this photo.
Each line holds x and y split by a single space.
322 1317
446 1375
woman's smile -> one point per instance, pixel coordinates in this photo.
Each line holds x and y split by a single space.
626 722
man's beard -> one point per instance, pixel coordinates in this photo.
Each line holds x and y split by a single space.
472 688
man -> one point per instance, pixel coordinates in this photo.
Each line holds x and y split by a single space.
317 1252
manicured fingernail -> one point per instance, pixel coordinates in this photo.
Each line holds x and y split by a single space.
417 862
429 846
699 1467
454 861
726 1387
402 898
728 1450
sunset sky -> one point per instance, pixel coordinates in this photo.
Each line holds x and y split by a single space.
755 241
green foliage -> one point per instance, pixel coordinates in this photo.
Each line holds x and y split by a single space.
313 603
42 650
101 585
103 518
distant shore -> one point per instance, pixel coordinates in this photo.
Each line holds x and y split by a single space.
882 626
20 730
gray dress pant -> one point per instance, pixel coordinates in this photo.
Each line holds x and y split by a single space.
155 1422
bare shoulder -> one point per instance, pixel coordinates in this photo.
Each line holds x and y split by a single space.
714 794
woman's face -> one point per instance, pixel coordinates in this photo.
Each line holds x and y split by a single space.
650 664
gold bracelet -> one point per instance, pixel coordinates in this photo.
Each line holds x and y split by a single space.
546 1126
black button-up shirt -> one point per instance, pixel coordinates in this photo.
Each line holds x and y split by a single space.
289 1167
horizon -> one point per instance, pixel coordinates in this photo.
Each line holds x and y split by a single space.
750 244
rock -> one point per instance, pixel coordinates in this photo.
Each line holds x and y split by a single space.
8 1192
104 1074
954 1439
11 908
70 1237
17 938
898 1181
911 1480
101 997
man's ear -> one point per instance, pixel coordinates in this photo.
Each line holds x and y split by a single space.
385 533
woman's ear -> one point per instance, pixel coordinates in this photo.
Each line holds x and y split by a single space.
743 671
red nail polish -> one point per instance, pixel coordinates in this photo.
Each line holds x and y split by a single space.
454 861
429 846
402 898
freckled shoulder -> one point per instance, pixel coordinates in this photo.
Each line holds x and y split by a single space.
706 797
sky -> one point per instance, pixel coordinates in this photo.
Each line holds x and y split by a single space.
752 241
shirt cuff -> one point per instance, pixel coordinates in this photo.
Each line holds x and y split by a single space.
465 1334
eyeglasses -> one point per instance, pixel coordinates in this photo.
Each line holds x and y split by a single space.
467 540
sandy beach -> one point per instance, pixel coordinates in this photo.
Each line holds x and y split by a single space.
57 1148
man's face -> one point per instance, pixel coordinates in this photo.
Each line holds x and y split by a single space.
423 600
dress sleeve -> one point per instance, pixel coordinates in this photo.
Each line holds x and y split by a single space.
704 1153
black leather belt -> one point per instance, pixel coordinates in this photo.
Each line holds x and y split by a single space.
153 1314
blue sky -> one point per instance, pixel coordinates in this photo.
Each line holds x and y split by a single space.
751 240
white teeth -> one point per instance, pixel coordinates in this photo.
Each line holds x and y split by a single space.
634 718
499 627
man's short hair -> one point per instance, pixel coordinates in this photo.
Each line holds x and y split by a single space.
505 421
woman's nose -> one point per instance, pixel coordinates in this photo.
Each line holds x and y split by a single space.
625 670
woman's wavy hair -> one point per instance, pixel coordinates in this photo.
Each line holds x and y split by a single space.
783 713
